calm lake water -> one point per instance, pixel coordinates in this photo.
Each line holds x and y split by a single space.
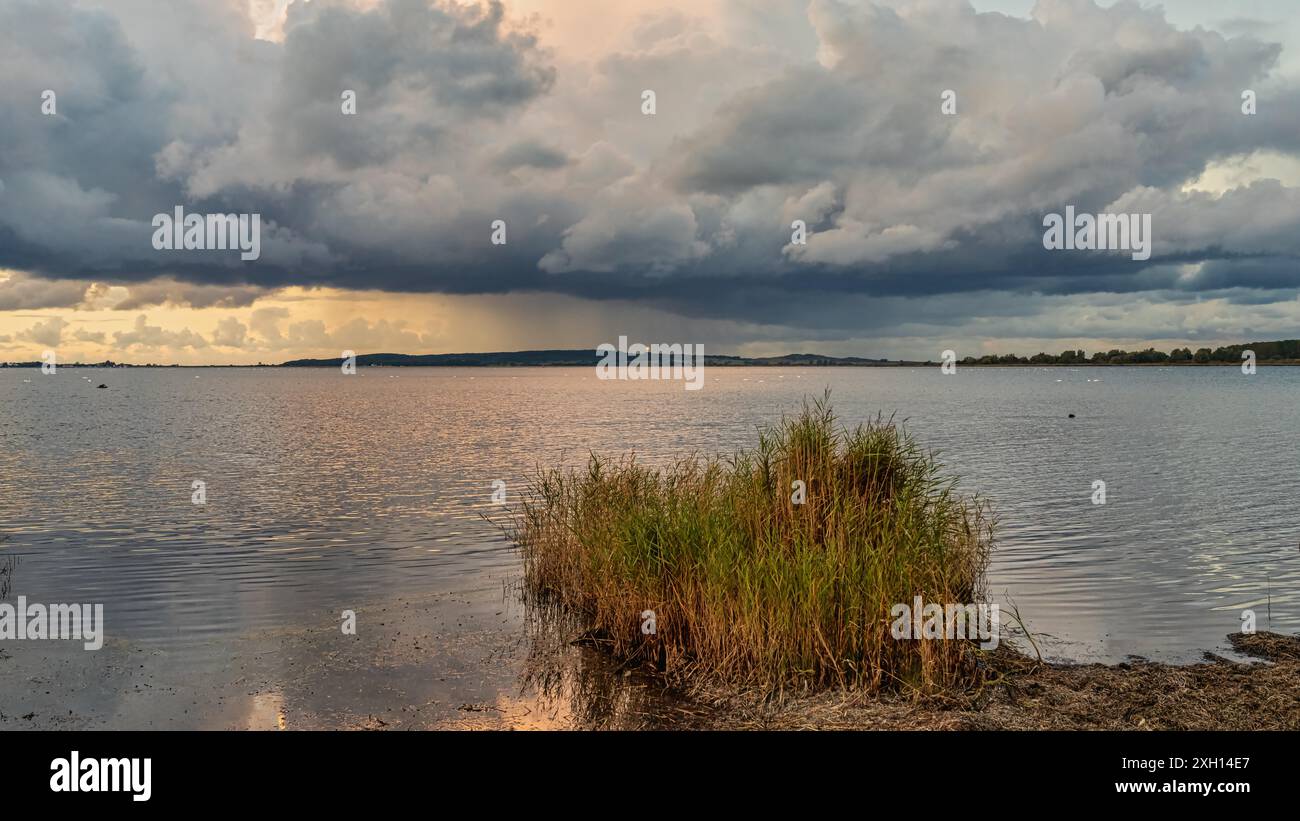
368 493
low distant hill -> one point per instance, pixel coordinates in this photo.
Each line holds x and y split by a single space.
1286 351
584 356
1281 352
580 357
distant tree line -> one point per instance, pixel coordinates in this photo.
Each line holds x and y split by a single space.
1287 349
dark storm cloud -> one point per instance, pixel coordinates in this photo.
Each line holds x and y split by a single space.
530 154
465 117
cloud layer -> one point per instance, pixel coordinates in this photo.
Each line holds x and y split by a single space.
826 111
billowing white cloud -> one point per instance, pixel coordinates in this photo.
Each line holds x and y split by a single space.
230 333
46 332
146 337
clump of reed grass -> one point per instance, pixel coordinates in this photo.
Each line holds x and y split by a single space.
749 588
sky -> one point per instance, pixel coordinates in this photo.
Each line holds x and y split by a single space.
924 221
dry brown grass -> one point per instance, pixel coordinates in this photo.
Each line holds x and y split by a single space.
749 588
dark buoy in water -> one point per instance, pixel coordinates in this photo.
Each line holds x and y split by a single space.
101 386
1071 416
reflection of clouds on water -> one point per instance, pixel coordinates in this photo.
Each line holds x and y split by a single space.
327 493
572 680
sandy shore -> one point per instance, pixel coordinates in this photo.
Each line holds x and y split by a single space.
1217 694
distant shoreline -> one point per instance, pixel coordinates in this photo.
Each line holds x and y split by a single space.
708 362
898 364
1280 352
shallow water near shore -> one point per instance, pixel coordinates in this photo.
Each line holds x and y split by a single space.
327 493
